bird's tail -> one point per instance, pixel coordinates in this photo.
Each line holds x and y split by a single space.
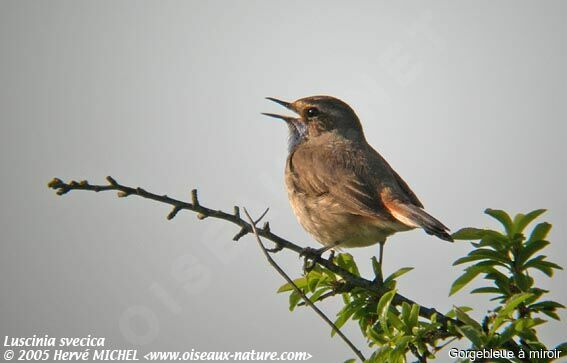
414 216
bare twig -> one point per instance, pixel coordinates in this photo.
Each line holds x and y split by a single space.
298 290
62 188
245 228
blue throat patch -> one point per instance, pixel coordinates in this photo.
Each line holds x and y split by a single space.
297 133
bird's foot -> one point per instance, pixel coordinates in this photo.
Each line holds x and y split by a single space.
312 253
310 257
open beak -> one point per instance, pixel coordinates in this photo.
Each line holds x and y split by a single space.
282 117
283 103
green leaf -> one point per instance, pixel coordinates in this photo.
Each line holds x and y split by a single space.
529 249
346 312
467 259
294 298
474 335
486 290
522 221
330 275
452 313
397 274
493 239
527 323
300 282
313 278
400 349
352 360
500 280
468 276
507 310
395 321
544 266
547 305
524 281
406 310
506 335
503 218
414 316
513 303
462 281
317 294
346 261
491 255
483 254
539 232
469 234
462 316
383 307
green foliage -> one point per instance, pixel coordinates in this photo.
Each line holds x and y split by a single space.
507 262
394 329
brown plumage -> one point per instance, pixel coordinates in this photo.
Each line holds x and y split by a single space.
341 190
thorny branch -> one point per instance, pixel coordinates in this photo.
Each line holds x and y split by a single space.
245 228
265 232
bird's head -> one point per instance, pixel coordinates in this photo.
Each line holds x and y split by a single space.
318 115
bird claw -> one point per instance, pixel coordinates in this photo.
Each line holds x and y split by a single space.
310 257
311 253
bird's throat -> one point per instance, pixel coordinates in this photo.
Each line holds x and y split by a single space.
297 134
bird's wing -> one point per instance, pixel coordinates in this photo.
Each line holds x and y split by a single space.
403 204
413 215
406 189
337 172
362 182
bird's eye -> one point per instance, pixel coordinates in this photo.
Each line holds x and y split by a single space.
312 112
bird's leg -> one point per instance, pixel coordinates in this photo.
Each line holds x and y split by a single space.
379 277
381 252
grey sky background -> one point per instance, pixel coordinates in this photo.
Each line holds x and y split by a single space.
466 100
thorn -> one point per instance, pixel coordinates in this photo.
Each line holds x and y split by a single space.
201 216
194 197
243 232
140 190
266 227
83 183
236 212
173 213
73 183
122 194
111 180
62 191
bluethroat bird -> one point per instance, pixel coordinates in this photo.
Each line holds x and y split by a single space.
342 191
